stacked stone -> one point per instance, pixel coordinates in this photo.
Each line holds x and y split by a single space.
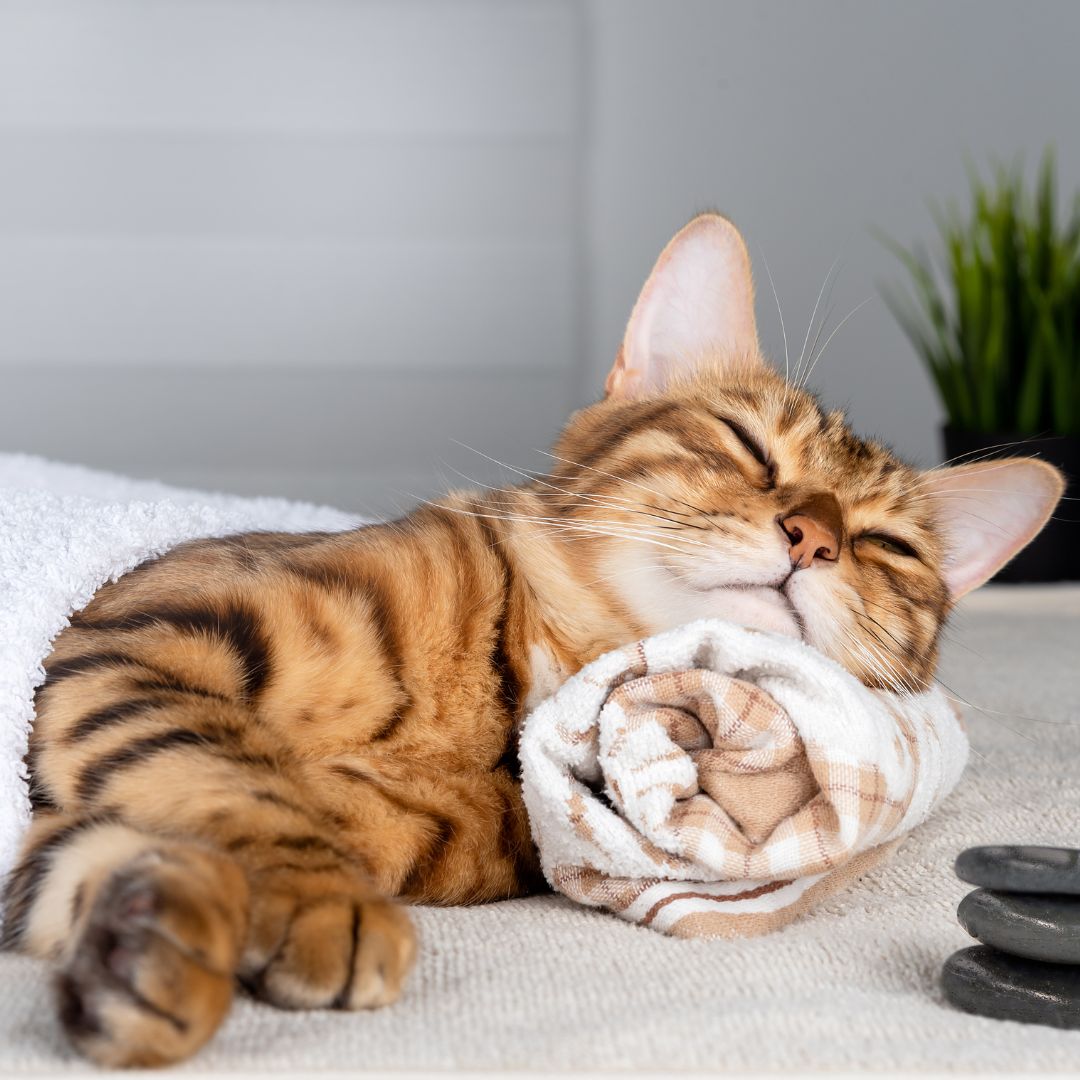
1026 913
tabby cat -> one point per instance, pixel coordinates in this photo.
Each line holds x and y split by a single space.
248 751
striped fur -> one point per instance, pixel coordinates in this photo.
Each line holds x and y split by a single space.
245 747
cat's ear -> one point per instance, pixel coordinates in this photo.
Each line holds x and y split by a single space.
989 511
697 305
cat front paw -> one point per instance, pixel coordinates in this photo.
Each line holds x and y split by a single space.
342 950
150 974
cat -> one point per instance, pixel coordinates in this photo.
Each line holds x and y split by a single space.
248 751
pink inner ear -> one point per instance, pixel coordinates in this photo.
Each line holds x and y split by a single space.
698 304
988 512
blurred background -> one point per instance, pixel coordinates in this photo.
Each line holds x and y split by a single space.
306 247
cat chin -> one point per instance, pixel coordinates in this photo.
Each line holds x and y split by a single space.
664 598
763 608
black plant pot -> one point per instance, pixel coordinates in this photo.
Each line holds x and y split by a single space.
1054 555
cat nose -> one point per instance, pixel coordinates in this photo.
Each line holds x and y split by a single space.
813 531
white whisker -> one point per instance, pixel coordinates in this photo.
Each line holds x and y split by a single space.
783 329
813 315
836 330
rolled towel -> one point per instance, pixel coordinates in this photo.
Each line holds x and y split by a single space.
715 781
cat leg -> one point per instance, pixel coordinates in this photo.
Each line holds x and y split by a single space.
193 765
320 933
145 934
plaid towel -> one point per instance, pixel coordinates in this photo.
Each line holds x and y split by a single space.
715 781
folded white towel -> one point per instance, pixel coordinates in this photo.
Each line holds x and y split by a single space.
745 763
64 532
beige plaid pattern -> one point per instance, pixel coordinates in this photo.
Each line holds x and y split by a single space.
718 782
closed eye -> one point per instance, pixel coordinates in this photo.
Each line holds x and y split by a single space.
892 544
750 445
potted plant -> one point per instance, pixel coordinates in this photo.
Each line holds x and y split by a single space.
996 320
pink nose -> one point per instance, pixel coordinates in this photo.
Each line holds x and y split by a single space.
810 540
814 530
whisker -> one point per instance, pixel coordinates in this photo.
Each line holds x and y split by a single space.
890 662
829 309
783 329
813 315
879 666
560 524
839 325
630 507
930 478
623 480
888 657
585 496
979 708
984 452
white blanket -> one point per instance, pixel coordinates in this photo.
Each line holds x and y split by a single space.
715 781
64 532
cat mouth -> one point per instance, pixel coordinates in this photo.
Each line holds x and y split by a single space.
778 594
796 614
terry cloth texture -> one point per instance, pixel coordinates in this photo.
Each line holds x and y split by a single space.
64 532
715 781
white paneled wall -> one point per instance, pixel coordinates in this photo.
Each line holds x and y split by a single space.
289 245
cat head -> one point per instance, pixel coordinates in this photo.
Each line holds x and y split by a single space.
708 485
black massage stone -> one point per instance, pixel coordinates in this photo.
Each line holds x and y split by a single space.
1027 915
990 983
1038 927
1022 869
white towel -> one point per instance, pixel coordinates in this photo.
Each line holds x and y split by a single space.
746 763
64 532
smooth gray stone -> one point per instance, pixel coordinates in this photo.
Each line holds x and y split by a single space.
984 981
1040 926
1028 869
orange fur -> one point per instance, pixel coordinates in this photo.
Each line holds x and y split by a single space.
316 723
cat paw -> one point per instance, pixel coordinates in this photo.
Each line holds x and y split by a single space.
337 951
151 974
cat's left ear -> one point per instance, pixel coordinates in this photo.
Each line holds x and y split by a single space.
697 306
988 512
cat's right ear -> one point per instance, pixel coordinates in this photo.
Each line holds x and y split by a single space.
697 306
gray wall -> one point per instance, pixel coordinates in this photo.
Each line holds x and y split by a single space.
300 246
288 245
